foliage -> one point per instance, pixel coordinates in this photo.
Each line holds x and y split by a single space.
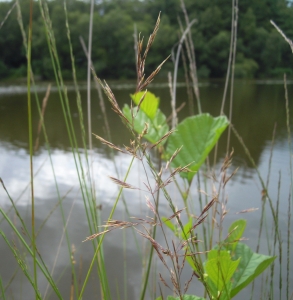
261 52
230 266
158 126
198 135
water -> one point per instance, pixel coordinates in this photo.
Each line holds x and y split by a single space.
258 107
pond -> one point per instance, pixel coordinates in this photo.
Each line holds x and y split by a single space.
259 109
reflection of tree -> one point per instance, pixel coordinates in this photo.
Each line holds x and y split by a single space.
256 109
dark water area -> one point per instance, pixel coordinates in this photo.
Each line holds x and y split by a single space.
258 108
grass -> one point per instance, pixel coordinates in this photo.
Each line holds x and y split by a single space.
193 233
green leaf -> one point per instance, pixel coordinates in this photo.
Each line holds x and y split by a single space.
158 127
198 135
216 294
149 105
190 261
170 225
235 233
251 265
220 268
186 228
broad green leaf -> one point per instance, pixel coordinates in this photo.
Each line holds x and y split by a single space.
220 268
235 233
198 135
191 263
158 127
251 265
219 295
175 229
185 297
186 228
170 225
149 105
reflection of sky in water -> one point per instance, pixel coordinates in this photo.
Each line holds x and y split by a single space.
243 192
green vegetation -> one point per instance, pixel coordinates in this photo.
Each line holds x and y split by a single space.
261 51
230 265
168 156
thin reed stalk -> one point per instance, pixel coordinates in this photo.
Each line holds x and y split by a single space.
146 279
188 85
7 15
2 289
274 249
30 129
40 264
232 55
235 7
99 90
288 131
41 121
58 249
89 62
41 113
264 191
108 133
290 199
103 234
173 100
191 57
288 248
259 177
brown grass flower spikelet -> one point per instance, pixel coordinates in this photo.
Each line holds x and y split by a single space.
150 206
163 138
208 206
113 100
173 156
93 236
142 83
159 249
140 101
226 179
122 183
163 281
109 144
197 223
246 210
176 214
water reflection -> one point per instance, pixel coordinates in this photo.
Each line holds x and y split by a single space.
256 110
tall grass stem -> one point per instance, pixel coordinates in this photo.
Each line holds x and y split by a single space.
103 235
174 115
235 8
30 130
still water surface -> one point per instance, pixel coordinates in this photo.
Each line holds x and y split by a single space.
258 107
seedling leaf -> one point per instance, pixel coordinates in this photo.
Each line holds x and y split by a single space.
149 104
220 268
158 127
251 265
235 233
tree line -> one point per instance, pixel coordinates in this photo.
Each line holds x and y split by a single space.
261 51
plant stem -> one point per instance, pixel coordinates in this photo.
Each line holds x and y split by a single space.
103 235
31 145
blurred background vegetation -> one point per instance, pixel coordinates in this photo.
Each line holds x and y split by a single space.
261 51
